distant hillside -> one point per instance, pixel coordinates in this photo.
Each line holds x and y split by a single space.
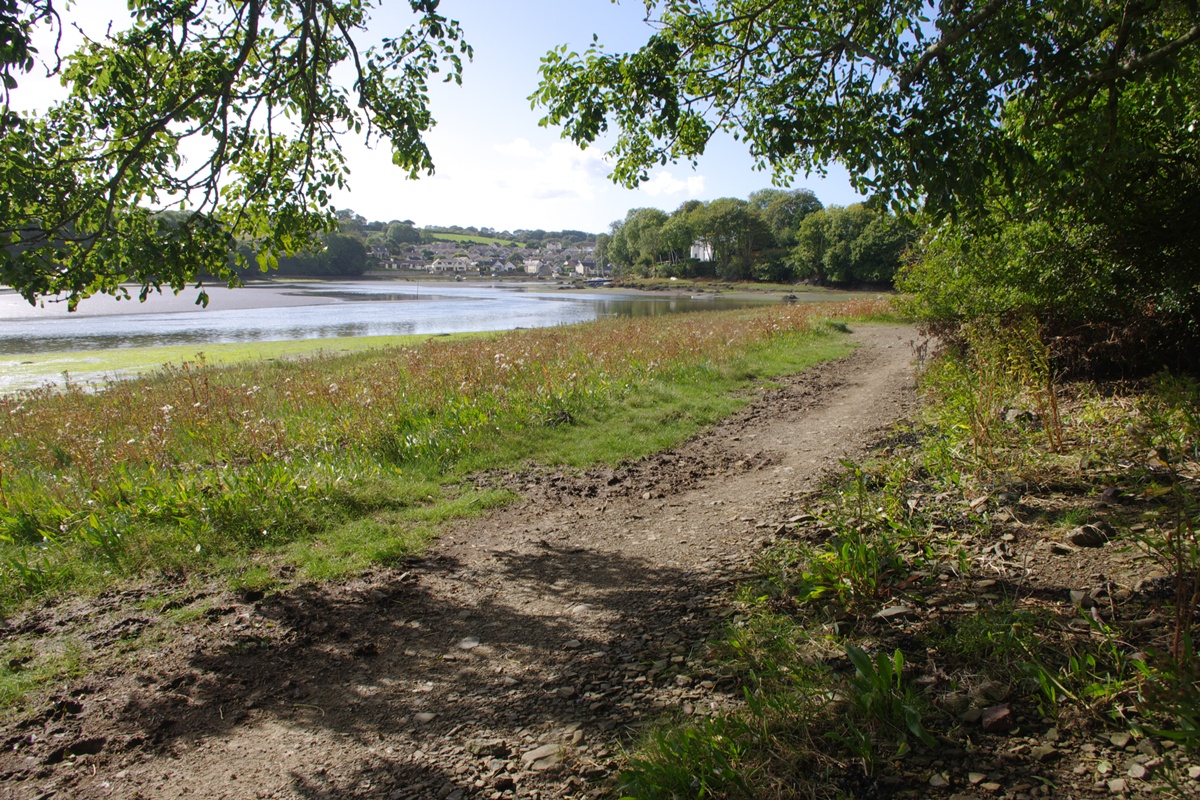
470 239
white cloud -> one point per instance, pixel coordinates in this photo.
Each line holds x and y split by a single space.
560 171
664 183
517 148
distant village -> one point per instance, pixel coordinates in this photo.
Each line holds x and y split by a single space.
553 259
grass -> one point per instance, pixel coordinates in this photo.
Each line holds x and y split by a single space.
331 463
469 239
714 284
25 667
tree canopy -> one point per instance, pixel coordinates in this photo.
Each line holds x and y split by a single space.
926 102
251 83
776 235
1067 131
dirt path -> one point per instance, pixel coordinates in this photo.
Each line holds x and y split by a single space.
513 661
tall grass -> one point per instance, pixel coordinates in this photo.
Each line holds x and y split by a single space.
196 462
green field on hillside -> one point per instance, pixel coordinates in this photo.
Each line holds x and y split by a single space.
468 239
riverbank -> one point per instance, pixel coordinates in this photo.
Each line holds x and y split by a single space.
987 598
115 339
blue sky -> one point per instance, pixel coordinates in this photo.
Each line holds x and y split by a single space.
495 166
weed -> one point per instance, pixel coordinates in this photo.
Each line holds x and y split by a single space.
984 393
1170 694
253 580
999 640
26 666
881 694
694 761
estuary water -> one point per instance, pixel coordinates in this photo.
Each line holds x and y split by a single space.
290 311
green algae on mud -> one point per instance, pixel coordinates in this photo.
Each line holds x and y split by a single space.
96 367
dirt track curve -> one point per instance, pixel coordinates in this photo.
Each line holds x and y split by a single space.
512 662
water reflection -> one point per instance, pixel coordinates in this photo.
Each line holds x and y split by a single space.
290 312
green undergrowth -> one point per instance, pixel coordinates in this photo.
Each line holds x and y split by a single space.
925 585
25 666
661 413
711 285
326 465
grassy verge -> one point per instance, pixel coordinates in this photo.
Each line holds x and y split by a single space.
332 463
1006 582
714 284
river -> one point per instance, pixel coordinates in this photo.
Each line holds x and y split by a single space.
291 311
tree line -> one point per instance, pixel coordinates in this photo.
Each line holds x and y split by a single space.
397 233
775 235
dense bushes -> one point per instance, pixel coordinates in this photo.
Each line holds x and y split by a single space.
1092 230
1104 310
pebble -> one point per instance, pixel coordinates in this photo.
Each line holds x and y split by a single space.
998 719
1118 786
424 717
1120 739
971 715
1043 751
938 781
469 643
1138 771
1088 536
542 758
495 750
976 778
894 612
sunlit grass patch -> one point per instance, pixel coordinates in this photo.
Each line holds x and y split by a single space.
30 663
99 368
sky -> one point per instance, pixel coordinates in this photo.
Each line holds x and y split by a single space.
495 167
